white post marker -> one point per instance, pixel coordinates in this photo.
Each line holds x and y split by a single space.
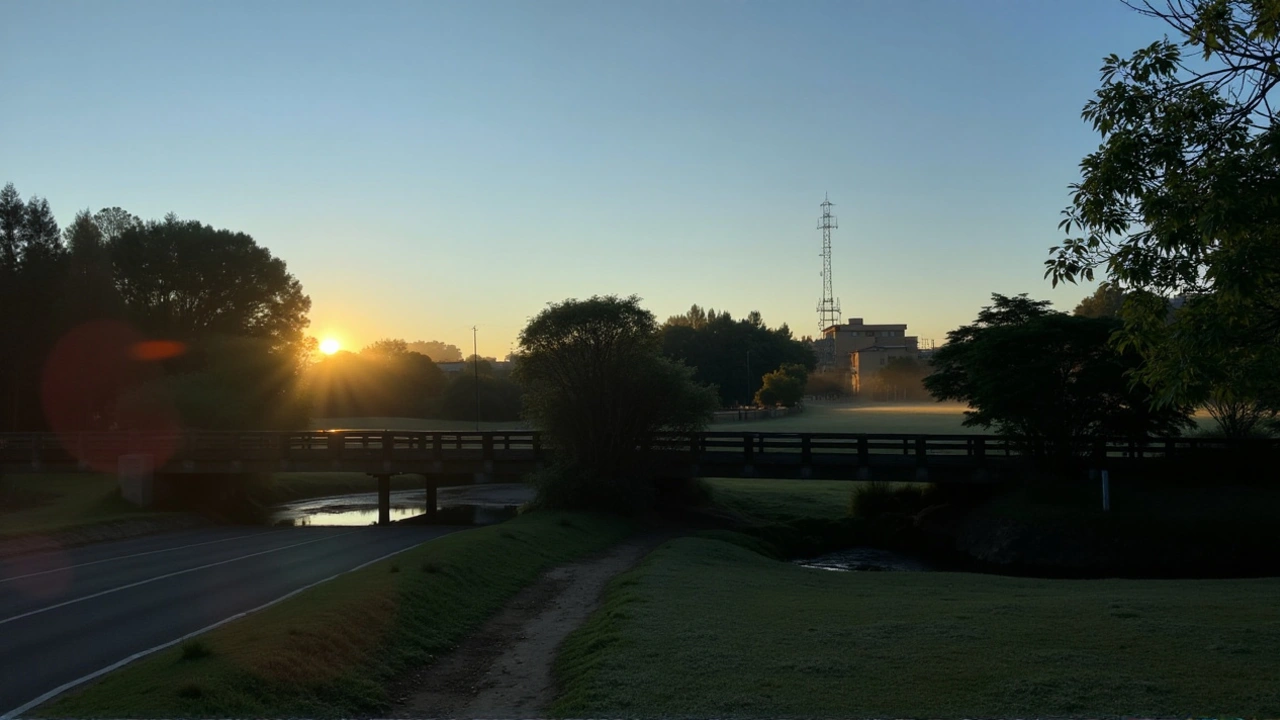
1106 491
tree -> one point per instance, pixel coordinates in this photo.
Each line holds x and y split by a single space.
180 279
1047 378
439 352
1179 200
499 399
90 289
384 379
386 348
597 384
114 222
732 355
784 386
12 220
1106 301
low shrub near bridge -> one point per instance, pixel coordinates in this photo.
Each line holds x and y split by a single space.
332 651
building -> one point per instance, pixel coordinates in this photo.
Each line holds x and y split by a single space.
866 363
855 335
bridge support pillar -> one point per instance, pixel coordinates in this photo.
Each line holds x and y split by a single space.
384 499
432 500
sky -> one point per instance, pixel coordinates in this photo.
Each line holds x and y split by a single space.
427 167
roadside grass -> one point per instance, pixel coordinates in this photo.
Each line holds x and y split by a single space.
44 503
413 424
709 629
333 650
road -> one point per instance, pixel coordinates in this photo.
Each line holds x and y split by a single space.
65 615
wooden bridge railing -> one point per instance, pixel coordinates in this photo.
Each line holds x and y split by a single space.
747 447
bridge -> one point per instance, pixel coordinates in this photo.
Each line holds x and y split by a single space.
447 458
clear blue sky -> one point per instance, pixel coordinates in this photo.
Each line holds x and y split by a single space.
423 167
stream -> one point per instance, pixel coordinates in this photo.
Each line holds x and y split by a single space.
864 560
461 505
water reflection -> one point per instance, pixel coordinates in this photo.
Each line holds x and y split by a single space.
864 560
463 505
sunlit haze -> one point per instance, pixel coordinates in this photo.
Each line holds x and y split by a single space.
427 167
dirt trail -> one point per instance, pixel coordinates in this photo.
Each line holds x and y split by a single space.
504 670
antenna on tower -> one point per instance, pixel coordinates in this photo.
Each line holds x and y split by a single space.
828 306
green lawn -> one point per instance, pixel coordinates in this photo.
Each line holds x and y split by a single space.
923 418
783 500
927 418
331 651
413 424
44 503
707 628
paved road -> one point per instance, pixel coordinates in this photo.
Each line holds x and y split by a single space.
66 614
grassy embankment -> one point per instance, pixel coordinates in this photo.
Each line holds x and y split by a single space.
705 627
331 651
47 503
32 504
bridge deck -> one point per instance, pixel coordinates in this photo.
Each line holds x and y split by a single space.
933 458
452 452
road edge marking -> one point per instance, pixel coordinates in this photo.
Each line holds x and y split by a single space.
166 576
17 712
126 557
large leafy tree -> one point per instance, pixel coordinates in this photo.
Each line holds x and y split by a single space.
1047 378
596 382
181 279
1182 198
733 355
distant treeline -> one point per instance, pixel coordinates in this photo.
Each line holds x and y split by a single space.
117 322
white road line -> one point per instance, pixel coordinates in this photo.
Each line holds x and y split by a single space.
126 557
166 576
14 713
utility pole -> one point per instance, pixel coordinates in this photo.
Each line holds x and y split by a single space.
749 401
475 363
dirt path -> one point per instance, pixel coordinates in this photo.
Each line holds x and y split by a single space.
504 670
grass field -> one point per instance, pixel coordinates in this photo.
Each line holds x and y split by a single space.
44 503
782 500
927 418
413 424
707 628
331 651
923 418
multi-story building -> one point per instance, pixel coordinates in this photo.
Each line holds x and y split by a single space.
855 335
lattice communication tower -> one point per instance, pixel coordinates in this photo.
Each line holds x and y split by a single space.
829 306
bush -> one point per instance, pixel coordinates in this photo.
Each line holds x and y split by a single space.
871 500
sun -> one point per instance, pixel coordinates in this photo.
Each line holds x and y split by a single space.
329 346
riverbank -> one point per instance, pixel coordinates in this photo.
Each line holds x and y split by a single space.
706 627
337 650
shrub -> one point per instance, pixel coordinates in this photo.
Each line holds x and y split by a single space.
870 500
